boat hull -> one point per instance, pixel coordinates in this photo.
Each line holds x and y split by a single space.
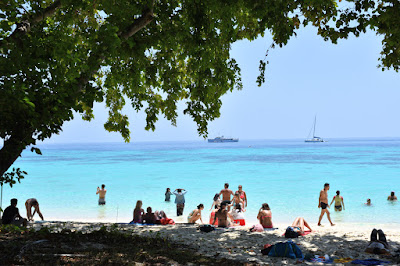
222 140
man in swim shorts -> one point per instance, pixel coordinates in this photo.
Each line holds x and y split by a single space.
226 194
102 194
323 204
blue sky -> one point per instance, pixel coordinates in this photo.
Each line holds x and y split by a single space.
341 84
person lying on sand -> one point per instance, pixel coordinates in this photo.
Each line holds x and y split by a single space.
298 225
377 246
265 216
222 214
196 214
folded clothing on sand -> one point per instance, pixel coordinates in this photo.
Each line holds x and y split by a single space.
369 262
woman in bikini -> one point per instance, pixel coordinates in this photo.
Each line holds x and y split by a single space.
338 201
242 195
196 214
138 212
298 225
265 216
236 201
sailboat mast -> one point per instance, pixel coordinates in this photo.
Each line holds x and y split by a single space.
315 123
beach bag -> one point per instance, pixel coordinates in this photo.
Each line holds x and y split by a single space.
206 228
267 248
290 233
257 228
286 249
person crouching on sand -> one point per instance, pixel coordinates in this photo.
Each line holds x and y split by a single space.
195 214
222 215
338 201
323 204
265 216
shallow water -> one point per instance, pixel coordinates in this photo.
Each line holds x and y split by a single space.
288 175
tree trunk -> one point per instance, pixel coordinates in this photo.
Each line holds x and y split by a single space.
10 152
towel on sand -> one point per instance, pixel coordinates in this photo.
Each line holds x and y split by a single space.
369 262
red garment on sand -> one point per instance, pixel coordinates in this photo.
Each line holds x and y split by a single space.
240 222
165 221
212 219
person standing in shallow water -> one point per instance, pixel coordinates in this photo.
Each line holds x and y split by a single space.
323 204
168 194
338 201
180 200
392 197
102 194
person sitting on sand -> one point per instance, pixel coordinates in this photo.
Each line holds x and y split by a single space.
377 246
150 217
195 214
238 216
392 197
168 194
217 201
323 204
242 195
222 214
338 201
35 204
368 202
180 200
265 216
138 212
298 225
11 215
237 201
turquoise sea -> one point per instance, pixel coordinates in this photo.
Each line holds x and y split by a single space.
288 175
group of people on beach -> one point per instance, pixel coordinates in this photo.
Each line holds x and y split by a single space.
11 213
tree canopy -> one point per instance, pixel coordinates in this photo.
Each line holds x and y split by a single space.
59 57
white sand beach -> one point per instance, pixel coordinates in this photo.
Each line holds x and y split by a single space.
340 241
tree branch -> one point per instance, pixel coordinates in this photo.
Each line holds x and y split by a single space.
139 23
25 26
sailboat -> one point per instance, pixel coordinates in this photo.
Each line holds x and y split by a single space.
314 138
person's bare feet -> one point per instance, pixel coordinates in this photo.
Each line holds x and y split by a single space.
332 224
319 224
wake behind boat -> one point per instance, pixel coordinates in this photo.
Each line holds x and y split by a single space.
222 139
314 138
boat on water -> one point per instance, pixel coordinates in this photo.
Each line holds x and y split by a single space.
222 139
314 138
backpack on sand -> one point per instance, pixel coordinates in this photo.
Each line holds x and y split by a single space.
206 228
290 233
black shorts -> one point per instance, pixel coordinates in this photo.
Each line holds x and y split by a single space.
324 205
227 202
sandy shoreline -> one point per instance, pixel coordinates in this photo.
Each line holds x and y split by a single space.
340 241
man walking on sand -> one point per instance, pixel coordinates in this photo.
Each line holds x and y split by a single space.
323 204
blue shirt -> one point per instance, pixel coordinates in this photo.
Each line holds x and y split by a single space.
180 198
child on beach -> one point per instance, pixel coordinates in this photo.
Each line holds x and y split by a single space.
168 194
217 201
138 212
